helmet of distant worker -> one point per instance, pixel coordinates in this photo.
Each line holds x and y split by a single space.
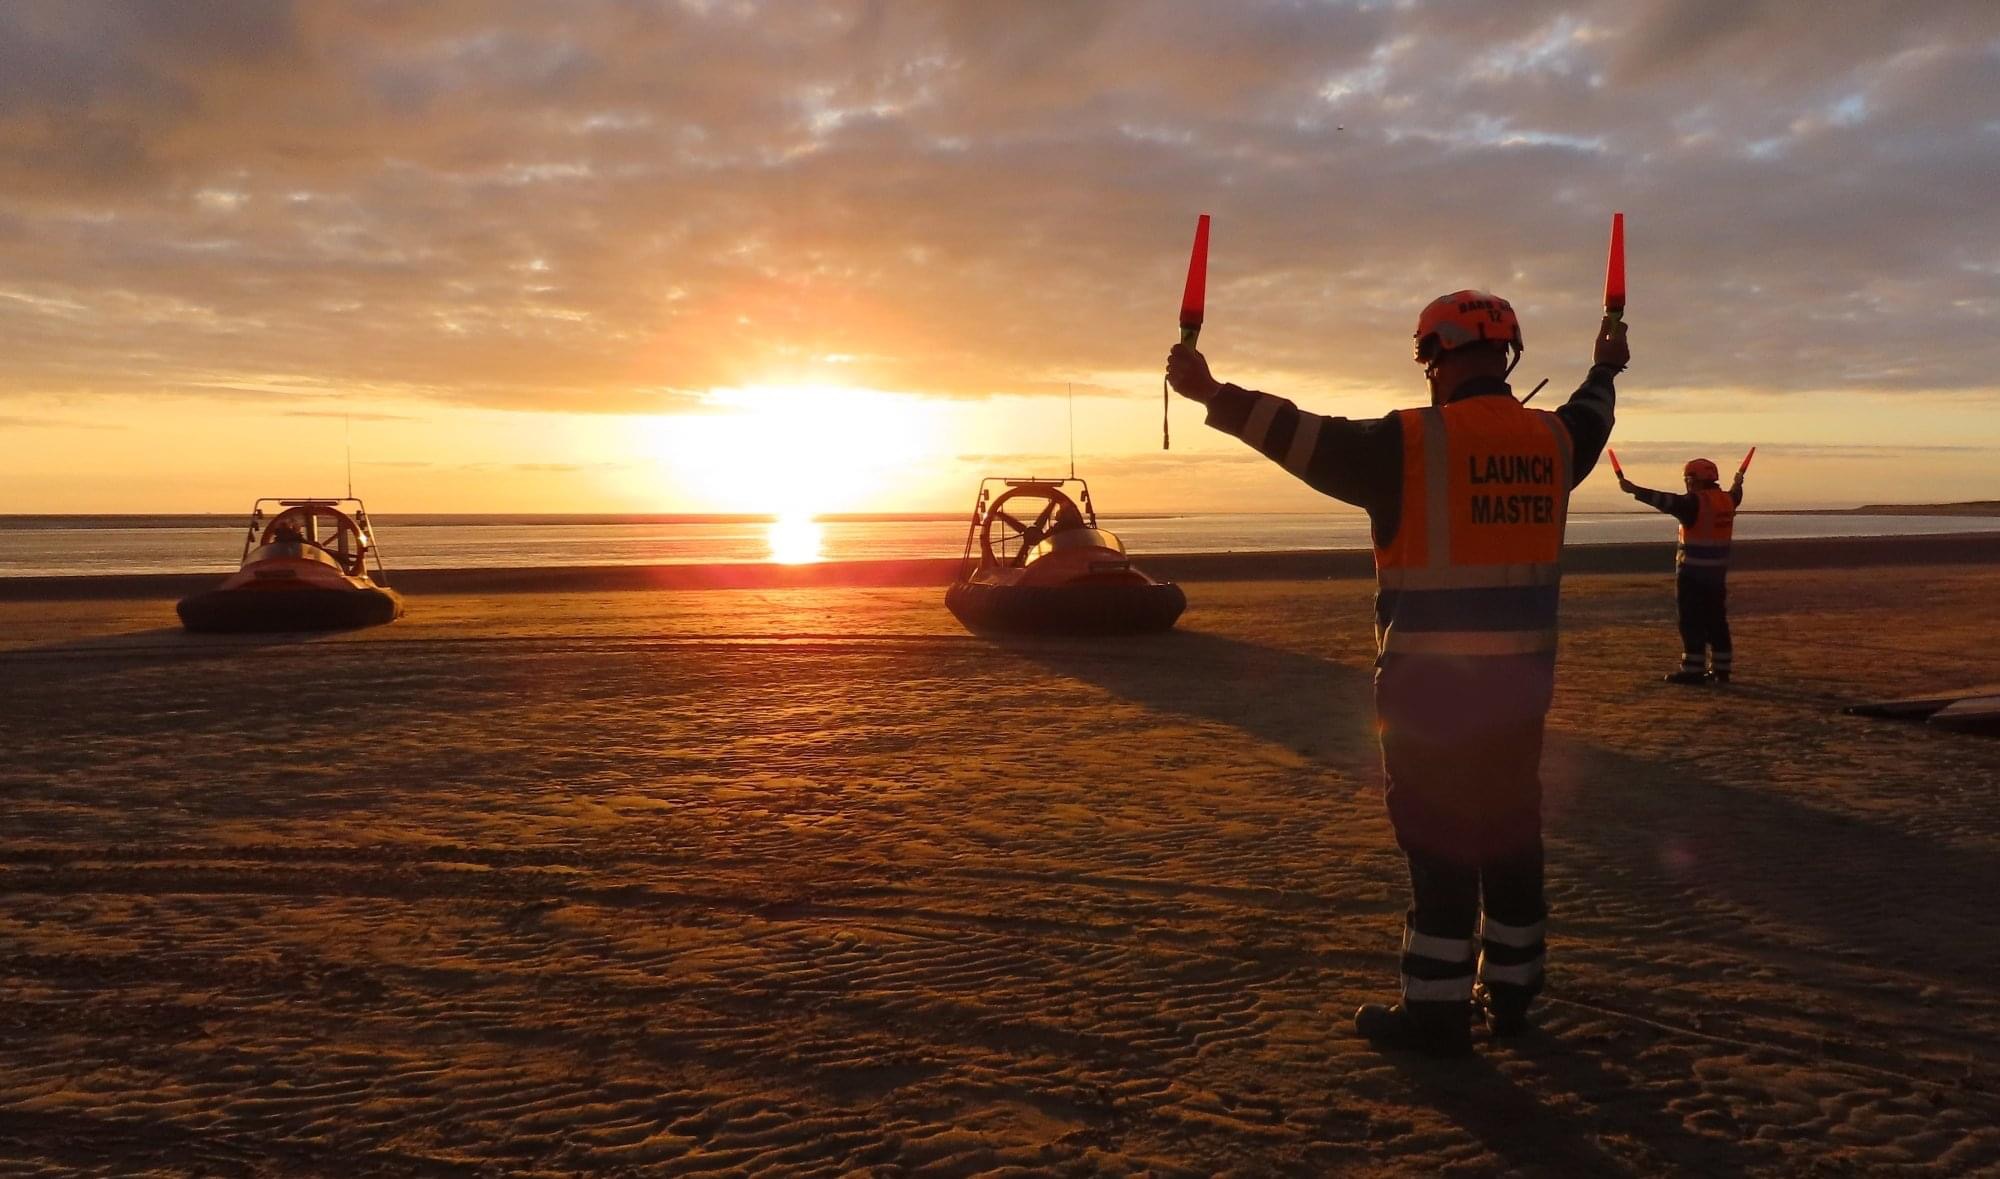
1466 334
1701 473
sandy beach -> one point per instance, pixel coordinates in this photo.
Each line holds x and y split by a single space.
808 881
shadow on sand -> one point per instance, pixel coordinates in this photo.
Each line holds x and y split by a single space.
1673 830
1314 706
1665 836
164 639
1512 1115
75 661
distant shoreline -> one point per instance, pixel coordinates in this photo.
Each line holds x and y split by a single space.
1649 558
1977 507
30 521
27 522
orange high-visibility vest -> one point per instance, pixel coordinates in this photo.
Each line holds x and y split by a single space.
1474 569
1705 543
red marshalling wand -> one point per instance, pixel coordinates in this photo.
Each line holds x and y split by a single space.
1614 270
1614 296
1746 462
1193 298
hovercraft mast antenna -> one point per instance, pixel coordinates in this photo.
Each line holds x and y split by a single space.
1072 429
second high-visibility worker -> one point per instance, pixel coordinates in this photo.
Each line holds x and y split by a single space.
1707 516
1467 500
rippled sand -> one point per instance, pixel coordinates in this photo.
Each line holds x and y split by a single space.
811 882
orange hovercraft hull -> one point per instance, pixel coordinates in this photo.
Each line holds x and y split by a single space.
1067 575
287 595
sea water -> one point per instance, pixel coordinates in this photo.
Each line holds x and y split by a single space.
56 545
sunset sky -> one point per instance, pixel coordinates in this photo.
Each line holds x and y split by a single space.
830 256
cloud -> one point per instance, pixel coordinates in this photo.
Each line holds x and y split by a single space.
603 207
1123 464
547 468
36 422
357 416
1682 451
526 468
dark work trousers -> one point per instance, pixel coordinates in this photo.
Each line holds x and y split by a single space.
1465 797
1702 596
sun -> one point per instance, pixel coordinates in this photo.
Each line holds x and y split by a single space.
795 540
795 451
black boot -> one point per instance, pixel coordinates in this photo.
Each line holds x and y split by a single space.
1686 676
1506 1017
1436 1029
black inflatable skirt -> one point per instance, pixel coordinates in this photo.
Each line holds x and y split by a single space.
1067 609
265 611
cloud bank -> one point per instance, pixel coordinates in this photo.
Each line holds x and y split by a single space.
612 206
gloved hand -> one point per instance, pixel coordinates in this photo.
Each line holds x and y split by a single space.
1611 348
1187 372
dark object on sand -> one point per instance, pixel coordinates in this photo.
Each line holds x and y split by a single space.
1978 714
1041 565
306 568
1968 710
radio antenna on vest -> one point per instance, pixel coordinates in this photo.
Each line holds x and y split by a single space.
1533 391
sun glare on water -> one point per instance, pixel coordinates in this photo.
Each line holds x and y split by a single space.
795 540
797 452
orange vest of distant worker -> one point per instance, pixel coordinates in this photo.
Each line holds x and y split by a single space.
1705 543
1474 568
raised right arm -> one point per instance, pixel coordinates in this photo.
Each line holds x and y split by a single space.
1680 507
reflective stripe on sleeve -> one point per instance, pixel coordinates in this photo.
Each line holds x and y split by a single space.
1304 441
1261 416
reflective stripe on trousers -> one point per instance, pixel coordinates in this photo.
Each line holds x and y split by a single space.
1436 969
1511 955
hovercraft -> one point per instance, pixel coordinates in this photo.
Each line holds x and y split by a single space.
304 568
1041 565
